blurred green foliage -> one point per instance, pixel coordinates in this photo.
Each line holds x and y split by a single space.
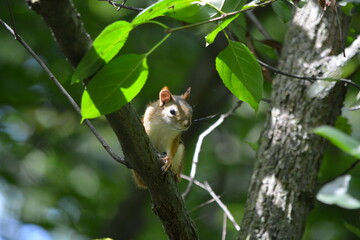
56 181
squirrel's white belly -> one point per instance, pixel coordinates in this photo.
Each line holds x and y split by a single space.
162 139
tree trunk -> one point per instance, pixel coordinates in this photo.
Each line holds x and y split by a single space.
282 188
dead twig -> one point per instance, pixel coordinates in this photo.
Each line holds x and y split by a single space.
119 6
216 198
199 144
346 171
223 235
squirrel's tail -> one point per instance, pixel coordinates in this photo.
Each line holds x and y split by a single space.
138 180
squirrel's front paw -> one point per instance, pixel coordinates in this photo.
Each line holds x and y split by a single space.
167 164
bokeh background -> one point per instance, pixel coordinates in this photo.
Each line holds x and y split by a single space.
57 182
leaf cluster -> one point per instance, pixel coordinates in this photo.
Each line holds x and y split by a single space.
116 80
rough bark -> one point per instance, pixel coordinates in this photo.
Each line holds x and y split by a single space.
70 33
68 30
282 188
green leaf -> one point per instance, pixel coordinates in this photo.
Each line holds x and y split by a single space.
159 9
342 123
347 7
356 104
184 10
253 145
265 51
241 73
340 139
283 9
238 27
221 26
231 5
105 48
88 66
355 230
341 192
198 11
116 84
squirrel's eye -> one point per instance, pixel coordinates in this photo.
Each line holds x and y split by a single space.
172 111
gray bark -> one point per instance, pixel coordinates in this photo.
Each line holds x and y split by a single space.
282 188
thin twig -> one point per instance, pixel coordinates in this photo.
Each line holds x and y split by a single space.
207 188
199 144
205 118
119 6
222 205
354 108
63 91
202 205
223 235
309 78
353 165
257 24
11 17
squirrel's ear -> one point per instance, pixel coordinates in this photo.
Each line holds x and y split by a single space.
186 95
164 96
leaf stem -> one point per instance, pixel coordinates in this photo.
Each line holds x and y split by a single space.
214 7
158 23
158 44
247 7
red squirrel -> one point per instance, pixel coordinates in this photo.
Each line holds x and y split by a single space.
164 121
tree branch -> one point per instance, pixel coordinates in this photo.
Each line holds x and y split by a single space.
70 33
141 156
309 78
258 25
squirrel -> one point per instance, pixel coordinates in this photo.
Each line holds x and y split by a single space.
164 121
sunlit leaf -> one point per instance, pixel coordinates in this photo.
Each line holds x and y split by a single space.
105 48
184 10
116 84
221 26
230 6
241 73
198 11
341 192
159 9
340 139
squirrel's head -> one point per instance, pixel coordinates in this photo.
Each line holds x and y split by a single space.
176 110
